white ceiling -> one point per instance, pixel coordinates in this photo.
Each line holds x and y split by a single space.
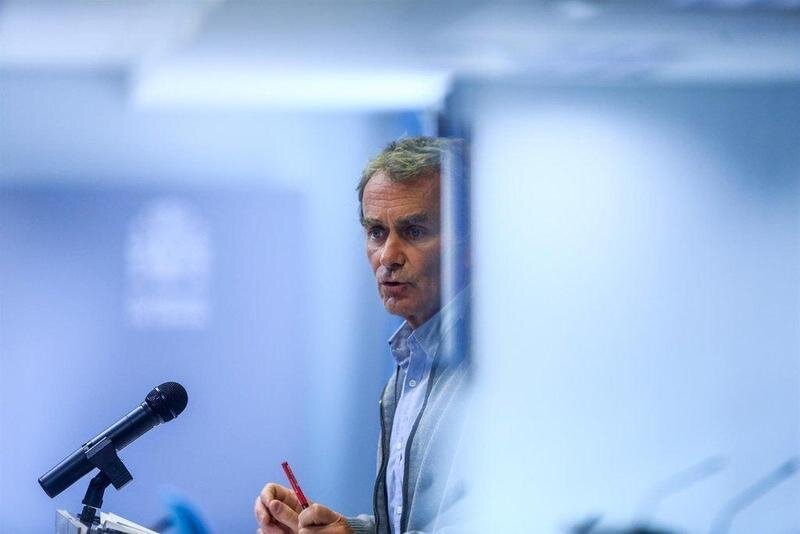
392 53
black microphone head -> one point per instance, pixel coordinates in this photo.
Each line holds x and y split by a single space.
168 400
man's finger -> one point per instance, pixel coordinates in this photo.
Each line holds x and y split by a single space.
275 491
316 515
283 514
260 511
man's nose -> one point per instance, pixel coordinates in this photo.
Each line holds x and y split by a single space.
392 256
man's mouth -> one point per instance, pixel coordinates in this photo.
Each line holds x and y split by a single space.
394 289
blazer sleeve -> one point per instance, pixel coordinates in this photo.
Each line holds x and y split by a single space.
362 524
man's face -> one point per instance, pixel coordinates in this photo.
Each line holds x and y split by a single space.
402 223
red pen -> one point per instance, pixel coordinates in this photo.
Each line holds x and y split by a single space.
295 485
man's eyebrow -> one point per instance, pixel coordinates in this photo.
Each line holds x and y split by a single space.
368 223
416 218
409 220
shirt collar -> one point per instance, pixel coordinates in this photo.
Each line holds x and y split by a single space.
428 336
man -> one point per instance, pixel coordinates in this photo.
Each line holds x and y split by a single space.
418 487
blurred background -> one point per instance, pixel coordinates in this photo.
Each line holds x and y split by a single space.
177 202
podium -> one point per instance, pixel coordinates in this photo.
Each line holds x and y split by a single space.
66 523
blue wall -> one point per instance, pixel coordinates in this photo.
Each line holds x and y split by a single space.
73 361
288 363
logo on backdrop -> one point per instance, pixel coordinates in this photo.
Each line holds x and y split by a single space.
168 257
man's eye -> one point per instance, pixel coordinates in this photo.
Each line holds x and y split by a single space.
375 233
415 232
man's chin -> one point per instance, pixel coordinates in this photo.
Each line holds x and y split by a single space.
396 306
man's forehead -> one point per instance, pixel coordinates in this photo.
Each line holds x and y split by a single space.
399 201
402 208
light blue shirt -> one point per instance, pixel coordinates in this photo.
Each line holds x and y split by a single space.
414 351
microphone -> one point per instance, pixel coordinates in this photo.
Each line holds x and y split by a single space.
724 517
164 403
676 483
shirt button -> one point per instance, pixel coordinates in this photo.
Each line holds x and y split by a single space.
412 383
398 510
399 445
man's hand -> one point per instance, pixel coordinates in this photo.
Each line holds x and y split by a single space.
276 510
317 519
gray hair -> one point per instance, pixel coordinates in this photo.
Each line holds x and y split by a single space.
405 160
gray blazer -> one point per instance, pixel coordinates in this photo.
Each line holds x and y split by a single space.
434 483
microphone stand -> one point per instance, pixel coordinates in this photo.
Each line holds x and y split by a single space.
93 499
112 471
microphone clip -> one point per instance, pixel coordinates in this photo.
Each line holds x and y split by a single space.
102 455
